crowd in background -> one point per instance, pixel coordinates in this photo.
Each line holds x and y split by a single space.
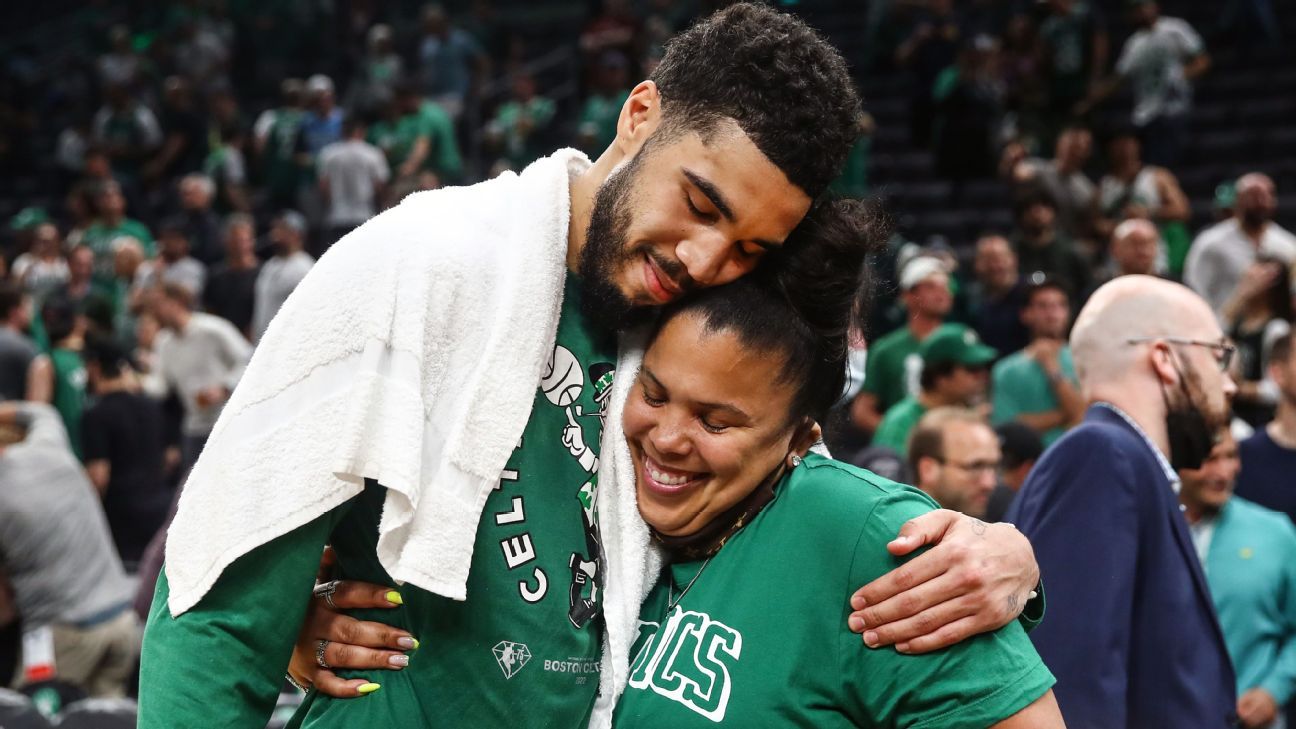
209 152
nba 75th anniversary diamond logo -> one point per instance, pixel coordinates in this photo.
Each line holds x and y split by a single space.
511 657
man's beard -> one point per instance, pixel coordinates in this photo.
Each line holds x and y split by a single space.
1254 218
1191 427
607 251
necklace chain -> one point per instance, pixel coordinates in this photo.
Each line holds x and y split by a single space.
672 602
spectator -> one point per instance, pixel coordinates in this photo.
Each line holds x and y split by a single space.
996 297
59 555
276 139
352 176
930 49
374 83
281 274
520 123
955 457
955 372
968 111
1160 60
1258 313
1041 246
1101 511
201 224
111 225
1065 181
1037 385
1132 189
1249 557
1135 246
59 378
185 143
80 274
894 365
615 29
174 265
17 351
1269 456
416 136
1076 47
127 130
121 65
124 450
42 270
1021 448
226 165
200 362
322 124
449 61
608 93
200 53
231 284
1223 252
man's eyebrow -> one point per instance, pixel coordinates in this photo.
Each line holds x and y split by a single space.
718 200
712 192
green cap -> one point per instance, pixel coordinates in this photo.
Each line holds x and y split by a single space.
956 343
28 218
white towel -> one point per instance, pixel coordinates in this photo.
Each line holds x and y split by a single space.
410 354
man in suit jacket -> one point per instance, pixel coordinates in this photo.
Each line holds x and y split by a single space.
1131 632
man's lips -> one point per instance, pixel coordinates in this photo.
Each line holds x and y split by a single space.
660 286
667 481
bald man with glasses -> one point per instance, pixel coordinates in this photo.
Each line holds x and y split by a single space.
955 459
1131 633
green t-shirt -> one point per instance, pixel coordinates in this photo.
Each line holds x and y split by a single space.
69 392
283 173
1019 386
396 139
759 637
99 239
897 423
894 366
529 632
598 120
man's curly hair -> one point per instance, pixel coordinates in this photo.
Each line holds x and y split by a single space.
787 88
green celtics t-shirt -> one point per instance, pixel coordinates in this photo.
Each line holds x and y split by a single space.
898 422
99 238
1020 387
69 392
523 650
759 637
894 366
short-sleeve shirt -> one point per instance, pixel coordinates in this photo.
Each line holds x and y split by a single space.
1266 475
69 392
898 422
1153 61
16 355
353 169
125 429
1020 387
100 239
756 636
894 366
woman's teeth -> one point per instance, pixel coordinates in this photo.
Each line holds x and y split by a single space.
667 479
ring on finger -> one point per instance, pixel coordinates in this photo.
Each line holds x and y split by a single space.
326 590
320 645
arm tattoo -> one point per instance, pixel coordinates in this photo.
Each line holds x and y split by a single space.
978 527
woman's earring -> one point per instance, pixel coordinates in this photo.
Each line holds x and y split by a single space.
796 460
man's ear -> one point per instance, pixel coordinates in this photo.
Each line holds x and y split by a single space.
1161 357
927 469
640 116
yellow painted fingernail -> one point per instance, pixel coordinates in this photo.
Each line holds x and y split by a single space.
369 688
416 643
394 597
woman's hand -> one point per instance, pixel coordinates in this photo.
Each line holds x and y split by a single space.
976 578
351 643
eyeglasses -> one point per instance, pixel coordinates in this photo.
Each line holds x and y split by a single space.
975 467
1223 350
